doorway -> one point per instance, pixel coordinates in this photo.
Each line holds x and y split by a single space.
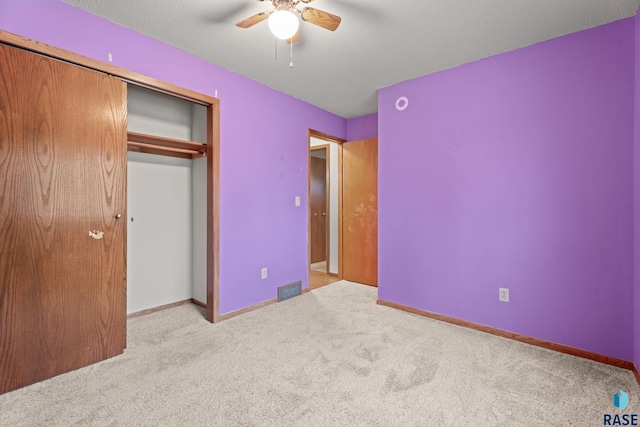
319 206
324 209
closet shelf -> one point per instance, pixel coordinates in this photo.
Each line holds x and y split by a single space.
152 144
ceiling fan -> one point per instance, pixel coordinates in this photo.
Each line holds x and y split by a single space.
283 22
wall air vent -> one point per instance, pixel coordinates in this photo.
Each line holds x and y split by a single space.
289 291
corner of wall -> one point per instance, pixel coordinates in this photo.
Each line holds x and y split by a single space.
636 195
362 127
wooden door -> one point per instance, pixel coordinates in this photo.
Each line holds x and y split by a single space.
318 211
62 175
360 211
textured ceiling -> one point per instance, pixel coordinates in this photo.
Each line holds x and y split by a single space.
379 43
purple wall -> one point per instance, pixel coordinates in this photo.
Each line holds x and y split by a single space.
362 127
263 155
516 171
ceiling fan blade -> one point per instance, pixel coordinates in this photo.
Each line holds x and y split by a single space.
253 20
320 18
295 38
306 1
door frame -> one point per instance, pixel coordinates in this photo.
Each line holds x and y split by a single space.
213 144
327 194
312 133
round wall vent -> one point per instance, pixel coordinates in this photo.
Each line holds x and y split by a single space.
402 103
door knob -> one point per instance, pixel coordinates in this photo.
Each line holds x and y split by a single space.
315 214
118 216
324 214
96 234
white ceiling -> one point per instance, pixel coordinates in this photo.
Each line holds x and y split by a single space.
379 43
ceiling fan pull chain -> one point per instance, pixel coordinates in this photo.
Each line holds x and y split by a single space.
291 63
276 48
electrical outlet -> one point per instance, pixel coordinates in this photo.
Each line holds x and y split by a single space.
264 273
297 201
504 294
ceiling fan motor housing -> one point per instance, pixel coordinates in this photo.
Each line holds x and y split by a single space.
284 23
284 4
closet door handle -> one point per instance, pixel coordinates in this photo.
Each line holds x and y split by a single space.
118 216
96 234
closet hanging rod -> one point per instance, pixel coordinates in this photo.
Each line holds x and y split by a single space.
160 141
162 151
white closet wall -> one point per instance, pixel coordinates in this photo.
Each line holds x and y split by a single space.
159 237
158 114
159 198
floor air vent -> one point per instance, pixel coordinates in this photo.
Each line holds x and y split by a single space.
289 291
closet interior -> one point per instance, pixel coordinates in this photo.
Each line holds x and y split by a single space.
166 200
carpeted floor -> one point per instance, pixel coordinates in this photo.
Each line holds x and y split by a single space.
330 357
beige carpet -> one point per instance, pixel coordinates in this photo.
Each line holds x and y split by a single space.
330 357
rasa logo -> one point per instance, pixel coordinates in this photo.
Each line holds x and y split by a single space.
620 401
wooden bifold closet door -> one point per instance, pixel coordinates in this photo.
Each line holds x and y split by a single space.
62 176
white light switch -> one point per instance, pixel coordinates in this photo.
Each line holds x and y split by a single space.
297 200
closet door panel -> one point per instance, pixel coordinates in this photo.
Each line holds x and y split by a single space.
62 249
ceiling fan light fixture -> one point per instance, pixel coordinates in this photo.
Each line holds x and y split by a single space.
283 24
